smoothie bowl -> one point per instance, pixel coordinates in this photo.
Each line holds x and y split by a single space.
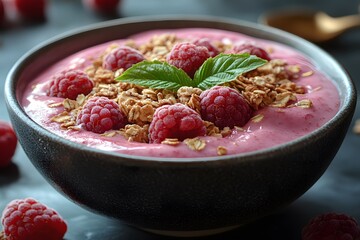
180 126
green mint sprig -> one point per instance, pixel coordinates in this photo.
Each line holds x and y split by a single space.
214 71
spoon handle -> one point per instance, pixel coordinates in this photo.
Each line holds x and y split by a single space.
350 21
337 25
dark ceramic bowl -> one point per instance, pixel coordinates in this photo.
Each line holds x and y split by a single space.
182 196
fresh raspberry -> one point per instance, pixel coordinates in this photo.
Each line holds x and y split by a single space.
122 57
101 114
175 121
8 143
28 219
225 107
251 49
102 6
2 12
69 84
213 51
188 57
31 9
331 226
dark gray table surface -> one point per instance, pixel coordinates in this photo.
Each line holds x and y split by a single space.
338 190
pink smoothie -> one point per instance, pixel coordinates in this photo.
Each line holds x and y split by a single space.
279 125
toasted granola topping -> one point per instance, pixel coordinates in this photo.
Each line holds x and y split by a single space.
282 99
305 103
66 121
221 150
269 85
62 117
307 74
212 130
226 131
80 100
136 133
257 118
54 105
110 133
294 68
100 75
171 141
70 104
190 97
196 144
158 47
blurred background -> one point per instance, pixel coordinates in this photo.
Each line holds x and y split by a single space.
338 190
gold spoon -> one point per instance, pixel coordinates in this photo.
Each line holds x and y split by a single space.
314 26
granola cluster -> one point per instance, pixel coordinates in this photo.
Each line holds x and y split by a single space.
273 84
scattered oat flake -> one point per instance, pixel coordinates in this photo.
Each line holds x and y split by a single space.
109 134
61 118
282 99
356 128
226 131
69 104
257 118
58 104
305 103
294 68
307 74
80 99
196 144
221 150
171 141
239 128
76 128
68 124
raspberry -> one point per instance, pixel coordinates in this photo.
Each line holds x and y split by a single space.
101 114
69 84
213 51
122 57
2 12
331 226
102 6
251 49
225 107
188 57
31 9
25 219
8 143
175 121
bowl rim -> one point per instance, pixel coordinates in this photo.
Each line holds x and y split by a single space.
258 30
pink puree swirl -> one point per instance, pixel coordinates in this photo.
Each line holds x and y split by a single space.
278 125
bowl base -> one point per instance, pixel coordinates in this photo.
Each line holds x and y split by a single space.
195 233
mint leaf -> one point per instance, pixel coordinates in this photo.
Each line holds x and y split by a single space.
225 68
214 71
156 75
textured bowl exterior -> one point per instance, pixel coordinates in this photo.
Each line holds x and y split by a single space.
176 194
